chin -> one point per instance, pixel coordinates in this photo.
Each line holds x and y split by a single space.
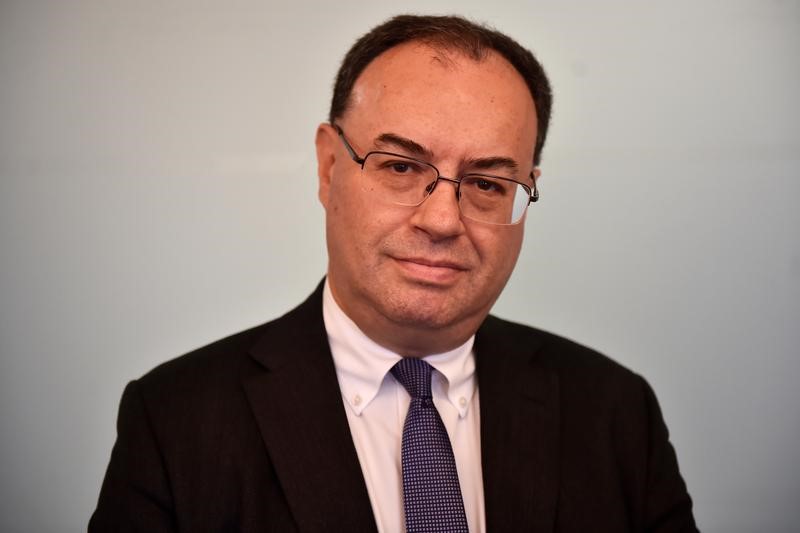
421 312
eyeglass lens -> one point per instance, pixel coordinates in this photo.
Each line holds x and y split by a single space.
404 181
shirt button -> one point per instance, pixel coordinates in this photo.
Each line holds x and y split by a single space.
462 401
357 400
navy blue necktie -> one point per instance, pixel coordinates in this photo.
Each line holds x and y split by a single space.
431 492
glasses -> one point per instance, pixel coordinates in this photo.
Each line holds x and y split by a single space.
408 181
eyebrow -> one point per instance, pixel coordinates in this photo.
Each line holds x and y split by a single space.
422 152
493 163
402 142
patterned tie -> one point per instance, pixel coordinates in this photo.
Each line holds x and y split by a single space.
431 493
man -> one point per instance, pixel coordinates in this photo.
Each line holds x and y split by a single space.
390 400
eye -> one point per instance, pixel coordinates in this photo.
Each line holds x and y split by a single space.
400 167
486 185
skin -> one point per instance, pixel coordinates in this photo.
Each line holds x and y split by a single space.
420 280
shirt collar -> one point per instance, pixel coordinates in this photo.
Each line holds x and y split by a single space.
362 364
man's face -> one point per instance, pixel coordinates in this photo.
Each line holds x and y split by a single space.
420 280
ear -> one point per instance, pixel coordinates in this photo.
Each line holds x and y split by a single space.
536 173
326 142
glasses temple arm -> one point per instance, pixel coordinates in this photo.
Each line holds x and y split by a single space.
353 154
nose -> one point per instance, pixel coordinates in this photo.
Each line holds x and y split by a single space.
439 215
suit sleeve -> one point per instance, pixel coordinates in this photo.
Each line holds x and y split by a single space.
667 505
136 495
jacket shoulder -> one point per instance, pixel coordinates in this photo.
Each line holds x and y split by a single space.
550 350
232 357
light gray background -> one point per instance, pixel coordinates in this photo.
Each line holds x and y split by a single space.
159 192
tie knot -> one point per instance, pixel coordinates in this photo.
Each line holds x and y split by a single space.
415 375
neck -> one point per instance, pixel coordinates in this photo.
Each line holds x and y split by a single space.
404 338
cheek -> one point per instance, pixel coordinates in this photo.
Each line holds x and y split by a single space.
498 247
344 204
354 219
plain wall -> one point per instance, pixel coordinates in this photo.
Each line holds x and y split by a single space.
158 191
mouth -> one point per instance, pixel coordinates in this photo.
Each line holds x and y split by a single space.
430 271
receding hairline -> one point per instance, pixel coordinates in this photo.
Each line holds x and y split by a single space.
445 55
445 51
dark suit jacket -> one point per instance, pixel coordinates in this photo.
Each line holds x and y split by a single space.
250 434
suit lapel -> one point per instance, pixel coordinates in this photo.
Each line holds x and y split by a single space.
519 430
298 407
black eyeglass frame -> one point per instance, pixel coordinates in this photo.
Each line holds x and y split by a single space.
533 195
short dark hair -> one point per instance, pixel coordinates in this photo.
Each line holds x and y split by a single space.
448 33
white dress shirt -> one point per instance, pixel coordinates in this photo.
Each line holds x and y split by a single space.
376 406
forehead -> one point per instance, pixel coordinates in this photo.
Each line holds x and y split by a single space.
440 96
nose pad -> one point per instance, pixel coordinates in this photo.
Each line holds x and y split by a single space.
432 186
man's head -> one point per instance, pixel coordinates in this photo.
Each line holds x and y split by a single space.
420 279
453 34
